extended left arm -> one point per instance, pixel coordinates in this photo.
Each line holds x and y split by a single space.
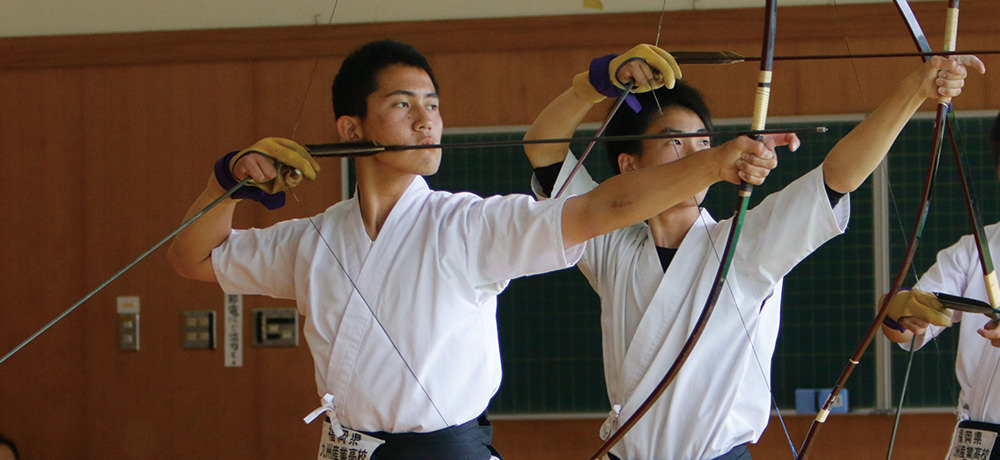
858 154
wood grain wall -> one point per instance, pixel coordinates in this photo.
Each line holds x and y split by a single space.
106 139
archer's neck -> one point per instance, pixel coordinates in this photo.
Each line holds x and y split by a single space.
378 192
671 226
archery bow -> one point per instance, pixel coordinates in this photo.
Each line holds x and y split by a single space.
978 230
745 190
951 34
900 277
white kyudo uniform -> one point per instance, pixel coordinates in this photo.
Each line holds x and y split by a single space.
431 277
957 272
720 399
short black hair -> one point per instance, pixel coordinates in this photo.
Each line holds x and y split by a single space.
4 441
995 141
626 122
356 79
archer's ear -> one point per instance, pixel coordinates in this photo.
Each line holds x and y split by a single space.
626 162
349 128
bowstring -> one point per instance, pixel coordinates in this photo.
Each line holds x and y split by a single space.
659 27
372 311
732 296
746 329
961 159
729 289
866 103
914 268
312 77
340 263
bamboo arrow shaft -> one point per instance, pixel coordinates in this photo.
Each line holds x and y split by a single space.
366 148
730 57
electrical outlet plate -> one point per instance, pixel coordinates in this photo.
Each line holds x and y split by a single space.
128 331
199 329
276 327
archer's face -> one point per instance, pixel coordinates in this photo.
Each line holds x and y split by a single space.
403 110
675 120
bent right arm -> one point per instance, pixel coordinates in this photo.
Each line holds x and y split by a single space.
632 197
559 119
190 253
566 112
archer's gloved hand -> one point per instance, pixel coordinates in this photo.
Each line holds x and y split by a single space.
602 79
916 304
290 160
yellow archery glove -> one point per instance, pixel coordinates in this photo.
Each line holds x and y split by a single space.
917 304
292 162
289 157
602 81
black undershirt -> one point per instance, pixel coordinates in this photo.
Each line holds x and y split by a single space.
547 176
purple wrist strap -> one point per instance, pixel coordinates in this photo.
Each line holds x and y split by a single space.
601 80
226 179
893 324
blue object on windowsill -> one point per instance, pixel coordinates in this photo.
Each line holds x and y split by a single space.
809 401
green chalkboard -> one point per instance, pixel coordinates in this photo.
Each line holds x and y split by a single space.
549 324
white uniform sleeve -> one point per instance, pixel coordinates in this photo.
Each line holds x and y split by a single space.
515 236
259 261
799 216
582 182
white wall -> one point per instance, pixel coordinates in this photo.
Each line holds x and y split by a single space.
63 17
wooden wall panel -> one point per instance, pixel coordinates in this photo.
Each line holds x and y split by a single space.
291 98
42 257
142 123
920 437
108 138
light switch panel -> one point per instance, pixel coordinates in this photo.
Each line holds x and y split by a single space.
128 331
276 327
199 329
